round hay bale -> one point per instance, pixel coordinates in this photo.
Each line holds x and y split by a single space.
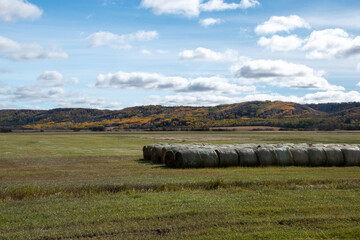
156 153
171 147
317 156
227 157
169 158
334 156
196 158
300 156
247 157
351 156
284 157
266 157
147 151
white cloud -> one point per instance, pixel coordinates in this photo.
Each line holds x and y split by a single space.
279 43
74 80
145 52
204 54
209 21
358 84
51 79
331 43
281 24
220 5
29 93
188 8
358 67
99 39
244 4
12 10
282 74
14 51
192 8
156 81
331 96
212 100
88 102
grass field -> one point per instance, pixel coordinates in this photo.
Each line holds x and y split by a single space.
96 186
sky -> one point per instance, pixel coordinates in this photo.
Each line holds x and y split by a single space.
113 54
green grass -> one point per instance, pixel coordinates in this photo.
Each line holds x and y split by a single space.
95 185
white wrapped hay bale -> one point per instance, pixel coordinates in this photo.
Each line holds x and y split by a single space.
284 156
334 156
247 157
351 156
266 157
300 156
317 156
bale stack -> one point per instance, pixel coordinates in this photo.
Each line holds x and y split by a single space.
200 155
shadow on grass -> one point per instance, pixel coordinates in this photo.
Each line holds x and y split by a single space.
147 162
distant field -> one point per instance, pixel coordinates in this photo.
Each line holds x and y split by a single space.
96 185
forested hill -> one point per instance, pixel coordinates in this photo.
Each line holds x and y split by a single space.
258 113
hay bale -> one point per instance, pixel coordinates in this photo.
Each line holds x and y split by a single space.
284 157
169 158
227 157
334 156
300 156
247 157
317 156
172 147
351 156
196 158
156 153
147 151
266 157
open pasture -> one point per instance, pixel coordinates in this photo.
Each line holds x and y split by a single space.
96 185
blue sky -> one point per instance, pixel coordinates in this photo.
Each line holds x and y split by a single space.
119 53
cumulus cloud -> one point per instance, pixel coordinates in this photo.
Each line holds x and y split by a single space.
14 51
88 102
13 10
99 39
358 67
29 93
279 43
192 8
282 74
331 43
204 54
220 5
331 96
51 79
156 81
281 24
358 84
209 21
188 8
211 100
48 86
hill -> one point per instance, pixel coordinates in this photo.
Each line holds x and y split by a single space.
257 113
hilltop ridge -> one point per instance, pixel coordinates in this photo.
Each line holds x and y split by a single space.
256 113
